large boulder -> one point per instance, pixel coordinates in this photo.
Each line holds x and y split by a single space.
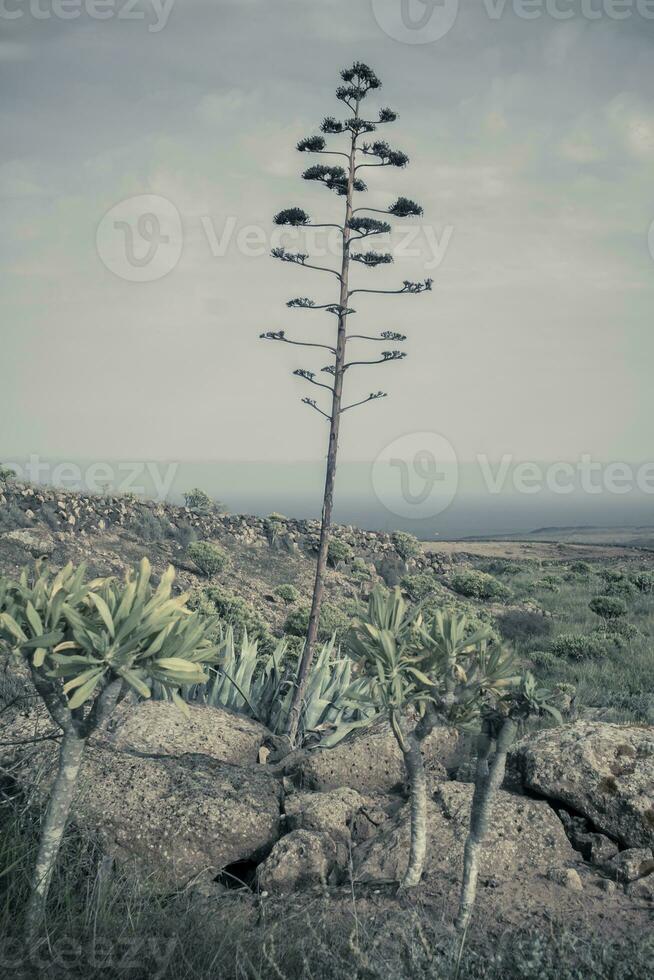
154 802
524 836
301 859
177 818
604 772
160 728
370 760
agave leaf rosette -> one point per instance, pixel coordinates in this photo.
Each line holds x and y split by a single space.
334 702
80 636
384 645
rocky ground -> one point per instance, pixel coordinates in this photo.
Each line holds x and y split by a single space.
195 804
200 806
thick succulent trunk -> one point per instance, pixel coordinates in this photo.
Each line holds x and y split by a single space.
418 788
488 780
415 770
330 475
52 830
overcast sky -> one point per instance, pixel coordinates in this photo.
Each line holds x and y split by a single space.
532 151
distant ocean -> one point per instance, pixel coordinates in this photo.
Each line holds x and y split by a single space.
361 499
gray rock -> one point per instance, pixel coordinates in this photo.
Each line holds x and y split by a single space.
603 771
525 835
331 813
301 859
630 865
567 878
160 728
37 543
370 761
175 815
642 889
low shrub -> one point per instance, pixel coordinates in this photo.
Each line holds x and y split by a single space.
478 585
338 551
210 558
406 545
621 587
581 568
149 526
545 660
520 625
580 646
274 526
643 582
608 607
419 586
235 612
333 621
288 593
198 501
550 583
12 518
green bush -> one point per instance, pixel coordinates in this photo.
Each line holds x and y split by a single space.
6 474
608 607
406 545
288 593
419 586
274 525
581 568
12 518
149 526
478 585
622 587
579 646
550 583
522 625
210 558
545 659
333 621
644 582
232 610
198 501
338 551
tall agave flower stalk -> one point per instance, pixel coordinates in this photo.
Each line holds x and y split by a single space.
85 645
349 140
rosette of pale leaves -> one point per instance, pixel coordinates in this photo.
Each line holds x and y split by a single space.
78 637
383 644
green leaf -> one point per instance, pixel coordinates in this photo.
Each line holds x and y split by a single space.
84 692
104 611
10 624
33 618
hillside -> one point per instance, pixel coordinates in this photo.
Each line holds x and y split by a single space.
535 596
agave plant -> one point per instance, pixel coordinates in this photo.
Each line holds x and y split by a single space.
334 703
500 718
85 644
448 677
385 643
